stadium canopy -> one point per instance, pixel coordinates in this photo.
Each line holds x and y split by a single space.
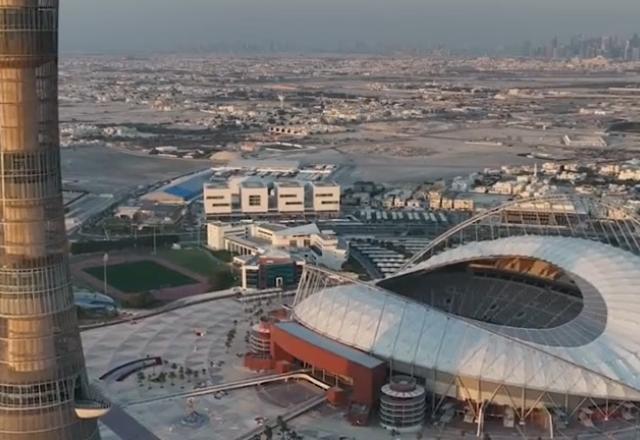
595 354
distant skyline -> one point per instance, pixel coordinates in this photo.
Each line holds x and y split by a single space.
126 26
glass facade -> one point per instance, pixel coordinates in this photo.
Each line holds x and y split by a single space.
42 375
277 275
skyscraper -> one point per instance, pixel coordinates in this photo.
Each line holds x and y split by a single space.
44 391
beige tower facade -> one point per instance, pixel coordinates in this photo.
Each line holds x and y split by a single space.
44 391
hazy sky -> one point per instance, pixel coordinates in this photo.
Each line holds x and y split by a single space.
153 25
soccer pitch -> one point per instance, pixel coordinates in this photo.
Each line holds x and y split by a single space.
140 276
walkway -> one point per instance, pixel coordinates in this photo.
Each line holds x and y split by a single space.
260 380
296 411
183 303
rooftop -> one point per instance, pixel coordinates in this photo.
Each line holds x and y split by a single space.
217 185
326 184
253 184
317 340
273 227
288 184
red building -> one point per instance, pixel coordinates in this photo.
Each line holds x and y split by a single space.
359 372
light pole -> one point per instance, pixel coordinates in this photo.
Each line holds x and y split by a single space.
105 260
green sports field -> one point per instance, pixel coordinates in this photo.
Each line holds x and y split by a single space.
195 260
140 276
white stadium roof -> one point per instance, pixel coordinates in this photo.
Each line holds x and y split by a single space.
596 354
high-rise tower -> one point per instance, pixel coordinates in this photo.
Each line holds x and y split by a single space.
44 392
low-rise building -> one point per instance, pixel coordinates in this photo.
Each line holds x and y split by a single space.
324 196
181 191
218 199
504 187
609 169
585 141
435 200
269 271
628 172
254 197
261 200
306 242
152 214
289 197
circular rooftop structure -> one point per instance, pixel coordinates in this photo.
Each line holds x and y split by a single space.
538 295
402 405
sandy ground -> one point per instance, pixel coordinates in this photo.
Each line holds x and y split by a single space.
416 152
108 170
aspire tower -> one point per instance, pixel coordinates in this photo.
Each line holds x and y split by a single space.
44 391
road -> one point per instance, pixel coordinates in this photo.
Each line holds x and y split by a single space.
125 426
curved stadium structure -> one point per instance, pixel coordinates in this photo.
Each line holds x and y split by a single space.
532 306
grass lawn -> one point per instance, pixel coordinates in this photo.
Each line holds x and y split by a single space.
195 260
140 276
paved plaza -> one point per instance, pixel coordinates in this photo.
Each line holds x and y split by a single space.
174 336
194 339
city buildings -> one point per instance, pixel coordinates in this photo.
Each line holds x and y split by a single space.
272 271
305 243
409 124
269 255
254 198
290 197
279 199
44 390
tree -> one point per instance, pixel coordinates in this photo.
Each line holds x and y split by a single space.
282 424
142 300
222 279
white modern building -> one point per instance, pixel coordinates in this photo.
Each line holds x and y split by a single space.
254 197
324 196
289 197
306 242
218 198
259 199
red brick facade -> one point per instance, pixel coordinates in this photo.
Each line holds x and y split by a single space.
366 381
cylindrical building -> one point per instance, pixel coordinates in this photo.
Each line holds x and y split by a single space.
260 340
402 405
44 392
